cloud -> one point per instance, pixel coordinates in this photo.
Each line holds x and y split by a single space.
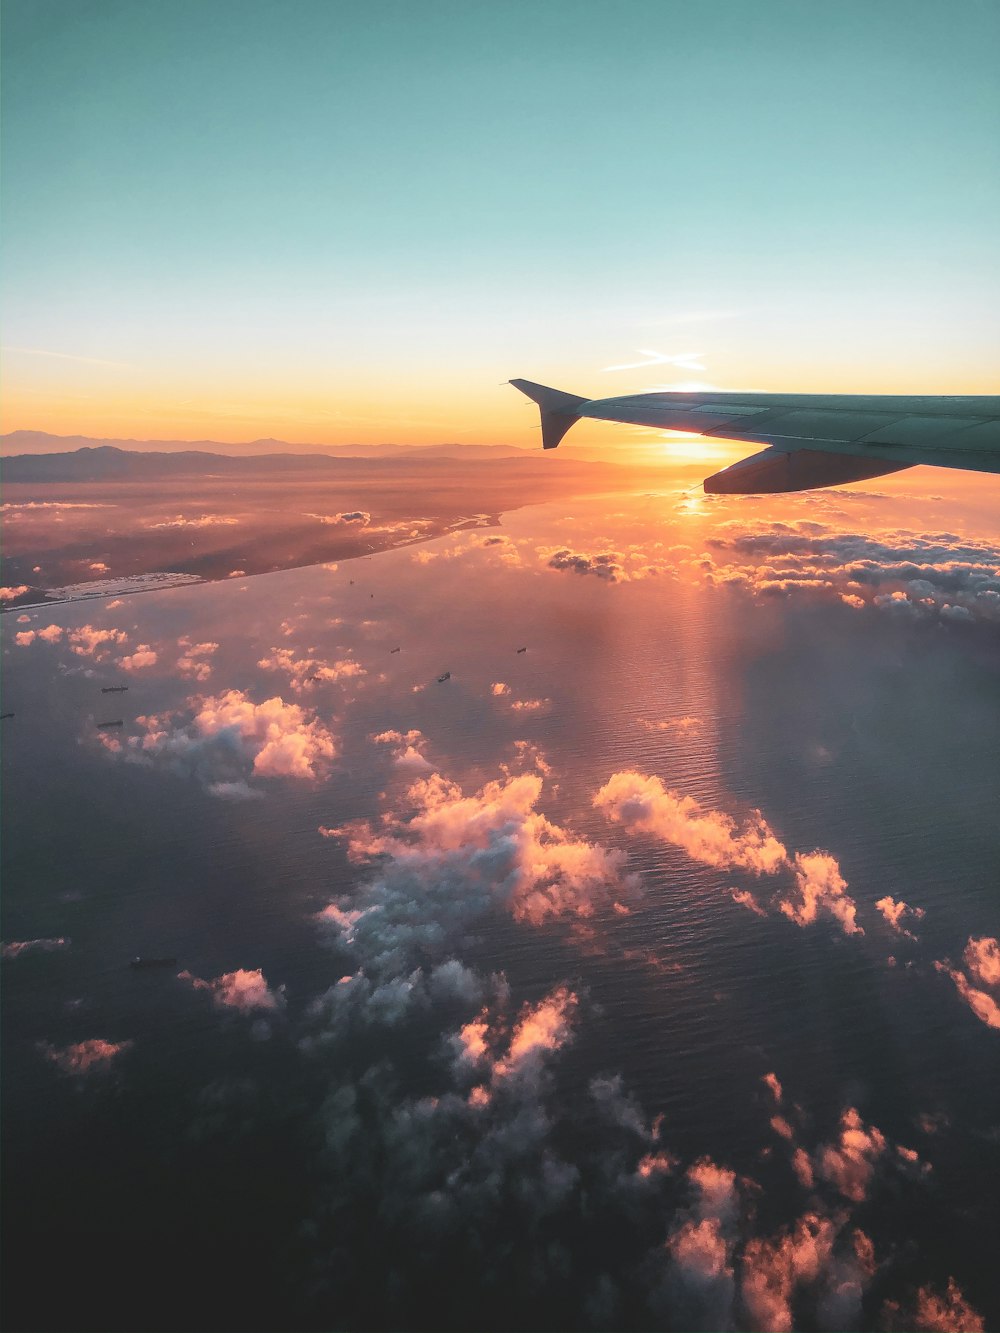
50 634
982 963
98 567
243 990
821 889
494 843
234 791
89 641
355 517
10 593
18 947
144 656
192 663
773 1085
49 504
775 1270
228 738
643 805
894 912
909 576
202 521
931 1312
682 360
304 672
498 688
849 1163
684 726
407 749
93 1056
604 566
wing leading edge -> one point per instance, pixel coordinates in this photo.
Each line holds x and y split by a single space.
812 439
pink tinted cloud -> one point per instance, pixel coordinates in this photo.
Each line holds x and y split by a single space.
407 748
244 990
193 662
303 672
950 1313
532 865
93 1056
773 1085
805 1256
228 737
643 805
930 1311
18 947
144 656
821 889
50 634
89 641
982 961
284 743
848 1164
894 911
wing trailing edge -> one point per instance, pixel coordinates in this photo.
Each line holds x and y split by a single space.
774 471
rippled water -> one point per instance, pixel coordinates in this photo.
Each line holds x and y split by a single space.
178 1186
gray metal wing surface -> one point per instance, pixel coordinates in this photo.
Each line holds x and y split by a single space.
810 440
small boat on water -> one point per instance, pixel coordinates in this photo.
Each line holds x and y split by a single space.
446 676
522 650
138 962
5 716
393 650
113 689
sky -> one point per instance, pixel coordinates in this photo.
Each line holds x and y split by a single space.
332 222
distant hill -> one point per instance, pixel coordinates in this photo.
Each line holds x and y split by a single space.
38 442
107 462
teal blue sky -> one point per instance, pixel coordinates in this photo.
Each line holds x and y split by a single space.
302 214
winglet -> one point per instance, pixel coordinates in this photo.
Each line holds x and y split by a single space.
559 410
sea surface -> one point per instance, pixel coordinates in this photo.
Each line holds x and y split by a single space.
494 1005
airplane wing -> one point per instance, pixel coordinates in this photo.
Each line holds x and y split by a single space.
811 439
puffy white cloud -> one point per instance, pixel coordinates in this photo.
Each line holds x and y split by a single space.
494 844
407 749
89 641
225 739
144 656
9 594
604 566
303 672
907 575
643 805
50 634
193 662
